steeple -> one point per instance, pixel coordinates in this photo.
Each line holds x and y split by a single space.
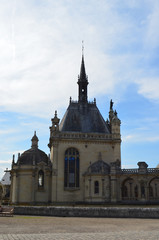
82 82
82 76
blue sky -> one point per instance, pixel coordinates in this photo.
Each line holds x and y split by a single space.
40 46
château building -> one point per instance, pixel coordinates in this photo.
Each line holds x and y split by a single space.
84 164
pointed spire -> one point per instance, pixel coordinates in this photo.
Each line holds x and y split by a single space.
83 76
34 141
82 81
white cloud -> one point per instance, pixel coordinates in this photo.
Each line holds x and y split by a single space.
149 88
140 138
5 161
128 138
152 139
7 131
152 33
40 52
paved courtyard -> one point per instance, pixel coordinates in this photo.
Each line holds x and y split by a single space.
47 228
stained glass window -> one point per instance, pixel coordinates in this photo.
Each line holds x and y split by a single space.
71 172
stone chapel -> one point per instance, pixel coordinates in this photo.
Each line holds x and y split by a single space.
84 164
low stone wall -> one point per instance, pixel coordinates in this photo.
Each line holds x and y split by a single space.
104 212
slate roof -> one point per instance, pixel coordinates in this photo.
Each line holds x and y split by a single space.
33 155
6 179
84 118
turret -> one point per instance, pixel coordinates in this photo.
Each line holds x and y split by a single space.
114 120
55 123
34 141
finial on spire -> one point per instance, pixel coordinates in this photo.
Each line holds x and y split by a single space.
82 48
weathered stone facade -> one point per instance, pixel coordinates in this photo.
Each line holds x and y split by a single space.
84 164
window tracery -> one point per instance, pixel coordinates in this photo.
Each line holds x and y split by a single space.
71 172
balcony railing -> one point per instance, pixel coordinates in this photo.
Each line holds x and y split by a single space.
136 170
129 171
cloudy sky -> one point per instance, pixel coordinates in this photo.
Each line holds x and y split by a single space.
40 57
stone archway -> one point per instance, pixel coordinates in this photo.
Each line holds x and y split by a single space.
129 189
154 189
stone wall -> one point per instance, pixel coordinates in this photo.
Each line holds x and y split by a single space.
112 212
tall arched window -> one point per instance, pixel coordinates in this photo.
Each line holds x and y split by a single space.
71 178
96 187
154 188
41 178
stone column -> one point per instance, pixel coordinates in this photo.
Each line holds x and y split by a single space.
84 192
14 188
33 188
113 171
107 189
17 188
55 173
143 191
113 189
90 189
47 185
103 189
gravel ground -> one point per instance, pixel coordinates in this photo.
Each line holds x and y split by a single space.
36 227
